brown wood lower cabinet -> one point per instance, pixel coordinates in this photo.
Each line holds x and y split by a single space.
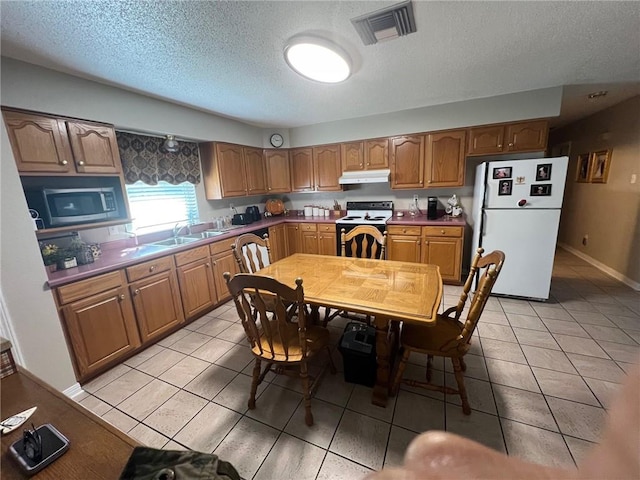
195 276
223 261
440 246
99 322
293 238
278 241
156 301
327 239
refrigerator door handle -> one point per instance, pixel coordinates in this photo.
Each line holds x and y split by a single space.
484 223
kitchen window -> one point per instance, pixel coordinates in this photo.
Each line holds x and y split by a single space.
161 206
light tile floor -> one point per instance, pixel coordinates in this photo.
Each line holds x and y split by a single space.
540 378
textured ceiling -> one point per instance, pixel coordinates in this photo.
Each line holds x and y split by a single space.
226 57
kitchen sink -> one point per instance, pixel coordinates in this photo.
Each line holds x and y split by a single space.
142 250
175 241
205 234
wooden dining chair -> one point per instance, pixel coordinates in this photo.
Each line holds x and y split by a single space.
450 337
364 241
273 338
251 252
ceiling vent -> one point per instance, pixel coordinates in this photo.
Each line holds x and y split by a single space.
386 24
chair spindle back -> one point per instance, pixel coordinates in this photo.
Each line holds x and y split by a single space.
251 252
364 241
489 267
268 328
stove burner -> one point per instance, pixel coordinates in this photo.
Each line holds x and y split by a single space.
351 218
375 218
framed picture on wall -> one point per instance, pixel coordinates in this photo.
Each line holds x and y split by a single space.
600 163
583 174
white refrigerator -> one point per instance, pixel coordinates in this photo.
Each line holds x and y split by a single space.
516 209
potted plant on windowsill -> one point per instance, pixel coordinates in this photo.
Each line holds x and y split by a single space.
50 255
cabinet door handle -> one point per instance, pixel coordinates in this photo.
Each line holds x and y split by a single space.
404 230
136 291
442 232
511 144
152 268
368 163
63 162
499 145
121 296
426 242
269 188
81 163
214 264
208 265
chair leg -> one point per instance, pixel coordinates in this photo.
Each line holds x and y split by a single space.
304 375
254 384
400 372
429 367
457 370
332 366
463 365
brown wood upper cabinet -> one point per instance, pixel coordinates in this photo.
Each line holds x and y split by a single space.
315 169
513 137
366 155
445 159
47 144
407 161
278 173
232 170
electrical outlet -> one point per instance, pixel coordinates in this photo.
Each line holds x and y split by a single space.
585 240
634 177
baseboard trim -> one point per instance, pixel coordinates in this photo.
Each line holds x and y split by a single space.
73 391
601 266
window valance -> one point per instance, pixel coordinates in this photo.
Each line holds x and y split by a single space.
144 159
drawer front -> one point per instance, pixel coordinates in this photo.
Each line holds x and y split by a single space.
192 255
222 246
403 230
90 286
327 227
308 227
149 268
442 231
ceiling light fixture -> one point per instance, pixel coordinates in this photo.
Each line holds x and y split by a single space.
599 94
318 59
171 145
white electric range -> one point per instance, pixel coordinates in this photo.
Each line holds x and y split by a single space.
363 213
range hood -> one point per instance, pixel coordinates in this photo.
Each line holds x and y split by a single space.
366 176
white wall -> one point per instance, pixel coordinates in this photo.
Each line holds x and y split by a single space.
30 308
504 108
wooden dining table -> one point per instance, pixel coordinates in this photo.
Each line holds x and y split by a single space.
387 290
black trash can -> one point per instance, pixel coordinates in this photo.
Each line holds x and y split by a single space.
358 349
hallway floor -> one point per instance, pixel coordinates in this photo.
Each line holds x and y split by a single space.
540 377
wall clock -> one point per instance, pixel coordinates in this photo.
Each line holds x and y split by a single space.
276 140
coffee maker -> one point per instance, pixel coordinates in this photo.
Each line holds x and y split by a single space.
432 208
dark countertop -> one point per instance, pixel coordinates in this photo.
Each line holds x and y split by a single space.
125 253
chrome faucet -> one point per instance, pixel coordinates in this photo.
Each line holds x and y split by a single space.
133 235
178 228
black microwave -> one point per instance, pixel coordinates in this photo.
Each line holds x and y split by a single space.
59 207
